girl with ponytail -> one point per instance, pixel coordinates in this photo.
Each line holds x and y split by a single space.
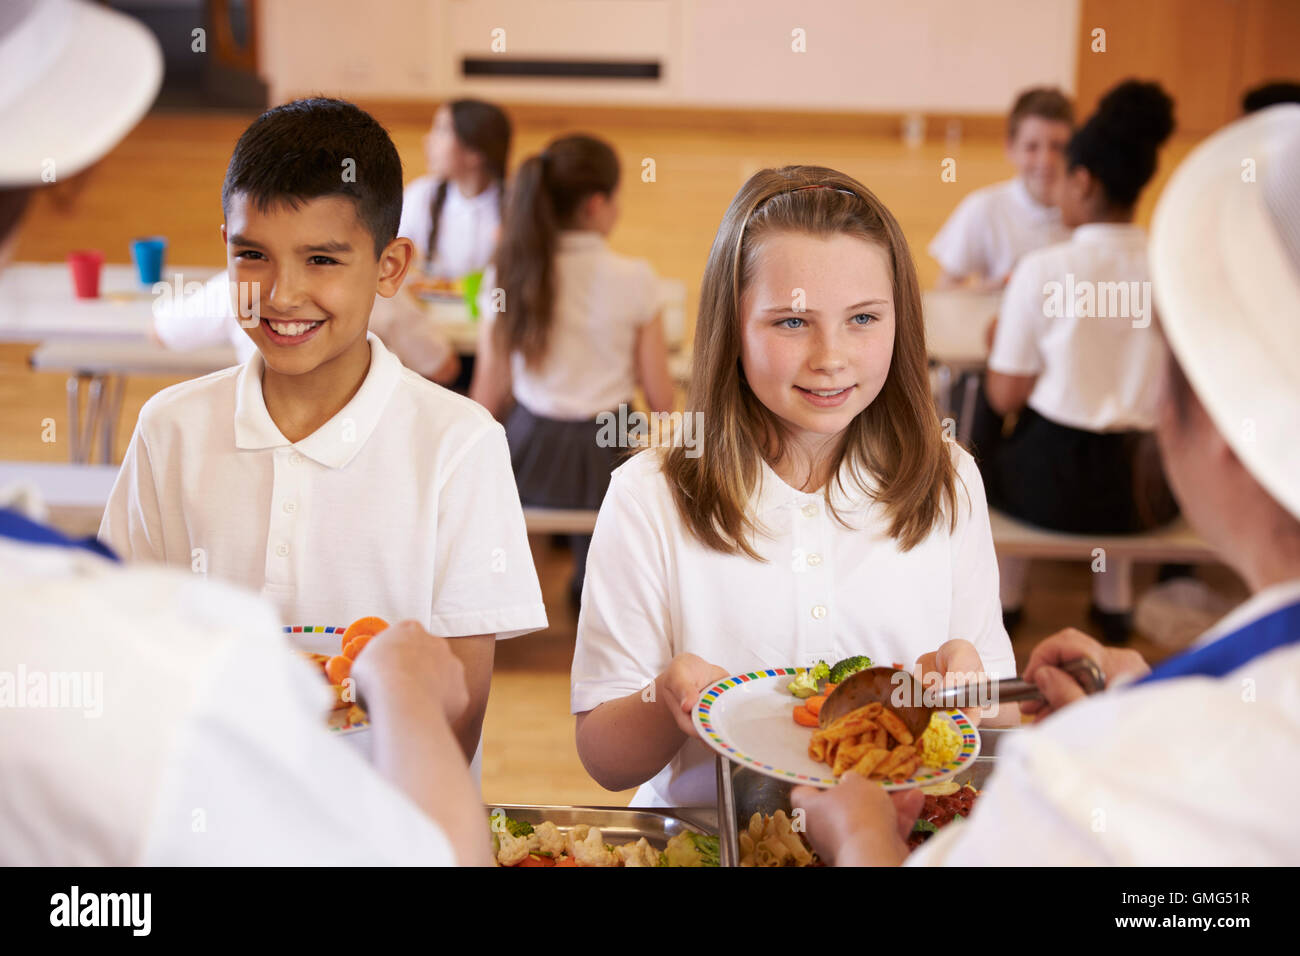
1078 359
569 329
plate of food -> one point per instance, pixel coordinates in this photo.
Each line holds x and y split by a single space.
333 649
436 289
768 720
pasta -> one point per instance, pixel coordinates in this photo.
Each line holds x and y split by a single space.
772 841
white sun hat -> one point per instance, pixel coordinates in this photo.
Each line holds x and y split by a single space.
1225 267
76 78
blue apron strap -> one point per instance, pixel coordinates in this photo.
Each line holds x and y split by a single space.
19 528
1229 652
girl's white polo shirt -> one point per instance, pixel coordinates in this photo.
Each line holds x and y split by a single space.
403 505
826 592
1079 316
992 228
467 228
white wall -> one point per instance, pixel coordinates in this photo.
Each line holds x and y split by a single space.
862 55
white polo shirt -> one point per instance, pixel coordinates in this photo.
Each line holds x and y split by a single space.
601 301
826 592
184 731
1079 316
1191 771
403 505
992 228
467 231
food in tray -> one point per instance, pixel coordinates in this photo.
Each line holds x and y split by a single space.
434 286
944 803
772 841
338 669
517 843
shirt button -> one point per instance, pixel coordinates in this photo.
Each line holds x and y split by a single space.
819 611
290 507
810 511
814 559
295 458
282 550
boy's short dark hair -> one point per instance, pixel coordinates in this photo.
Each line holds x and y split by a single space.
320 147
1270 94
1046 102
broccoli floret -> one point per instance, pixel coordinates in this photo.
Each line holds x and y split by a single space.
806 681
691 849
499 822
849 666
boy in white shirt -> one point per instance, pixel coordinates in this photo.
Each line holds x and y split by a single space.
323 473
996 225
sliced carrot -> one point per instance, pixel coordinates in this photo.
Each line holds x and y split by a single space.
338 669
566 861
804 717
362 625
826 692
536 861
355 645
814 704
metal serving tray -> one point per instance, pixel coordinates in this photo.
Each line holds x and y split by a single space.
619 825
743 792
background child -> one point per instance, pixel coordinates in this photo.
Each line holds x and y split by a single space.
322 473
994 226
826 515
581 328
453 215
1084 377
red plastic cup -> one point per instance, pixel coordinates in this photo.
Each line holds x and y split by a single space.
86 265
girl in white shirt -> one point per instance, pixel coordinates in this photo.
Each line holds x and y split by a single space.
569 329
1077 357
453 215
820 514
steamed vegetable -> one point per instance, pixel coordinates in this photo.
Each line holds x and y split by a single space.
806 681
850 665
691 849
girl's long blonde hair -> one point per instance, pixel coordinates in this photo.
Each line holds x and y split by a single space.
894 447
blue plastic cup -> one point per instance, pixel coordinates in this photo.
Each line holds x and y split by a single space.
148 256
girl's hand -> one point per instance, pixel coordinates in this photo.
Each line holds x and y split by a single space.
680 685
956 662
857 823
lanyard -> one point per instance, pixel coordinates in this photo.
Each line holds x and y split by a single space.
15 526
1268 633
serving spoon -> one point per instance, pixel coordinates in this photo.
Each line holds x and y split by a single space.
908 698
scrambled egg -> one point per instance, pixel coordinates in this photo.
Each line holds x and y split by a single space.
940 743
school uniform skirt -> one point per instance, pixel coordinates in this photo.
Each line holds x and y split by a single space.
1068 479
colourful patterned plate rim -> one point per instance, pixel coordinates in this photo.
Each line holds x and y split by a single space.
304 637
746 718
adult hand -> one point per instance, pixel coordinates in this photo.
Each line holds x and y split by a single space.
1060 689
406 659
857 823
680 685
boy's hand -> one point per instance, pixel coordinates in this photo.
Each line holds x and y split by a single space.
857 823
1060 689
408 660
680 685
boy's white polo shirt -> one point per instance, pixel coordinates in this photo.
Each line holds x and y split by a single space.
403 505
992 228
1099 363
826 592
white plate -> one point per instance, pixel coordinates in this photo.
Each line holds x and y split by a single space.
747 718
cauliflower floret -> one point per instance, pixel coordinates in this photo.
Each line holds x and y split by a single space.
550 839
587 846
640 853
511 849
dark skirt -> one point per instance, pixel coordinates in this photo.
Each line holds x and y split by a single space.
560 464
1071 480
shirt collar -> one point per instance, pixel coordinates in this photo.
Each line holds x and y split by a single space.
1110 232
336 442
487 197
773 494
575 240
1257 606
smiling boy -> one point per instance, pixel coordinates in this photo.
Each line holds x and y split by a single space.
322 472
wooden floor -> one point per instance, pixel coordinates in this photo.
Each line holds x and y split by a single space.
165 178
